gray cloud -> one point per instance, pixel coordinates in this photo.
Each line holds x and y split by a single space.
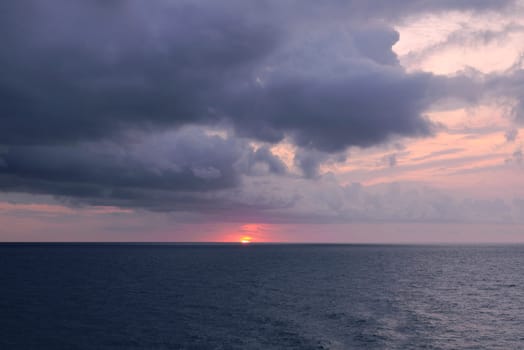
326 201
376 45
517 156
187 162
76 78
265 156
387 10
87 70
391 160
511 85
309 162
330 114
511 135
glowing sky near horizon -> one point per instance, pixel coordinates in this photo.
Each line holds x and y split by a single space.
275 143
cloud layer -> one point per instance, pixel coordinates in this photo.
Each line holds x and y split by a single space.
115 102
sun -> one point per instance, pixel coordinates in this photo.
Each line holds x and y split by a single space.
245 240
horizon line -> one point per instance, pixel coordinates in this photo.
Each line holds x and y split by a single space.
210 243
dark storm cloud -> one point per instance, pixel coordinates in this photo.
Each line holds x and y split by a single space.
83 70
331 114
77 76
75 70
376 44
188 161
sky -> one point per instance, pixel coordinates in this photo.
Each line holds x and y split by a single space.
352 121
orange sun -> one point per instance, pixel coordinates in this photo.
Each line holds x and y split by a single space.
245 240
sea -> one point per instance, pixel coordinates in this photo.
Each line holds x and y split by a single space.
197 296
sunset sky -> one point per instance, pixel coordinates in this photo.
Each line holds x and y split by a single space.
281 121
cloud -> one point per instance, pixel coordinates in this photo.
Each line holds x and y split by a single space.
511 86
108 103
517 156
88 70
183 163
391 159
511 135
436 154
329 114
326 201
309 162
388 10
263 155
465 35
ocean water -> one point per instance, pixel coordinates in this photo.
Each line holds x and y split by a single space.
261 297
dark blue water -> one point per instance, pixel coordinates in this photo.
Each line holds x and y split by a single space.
261 297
